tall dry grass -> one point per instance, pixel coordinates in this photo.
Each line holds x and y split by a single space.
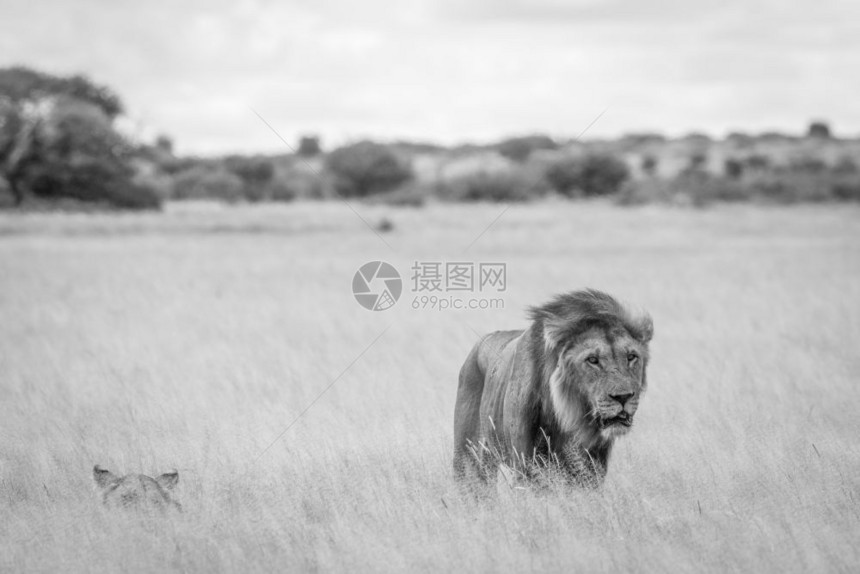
191 340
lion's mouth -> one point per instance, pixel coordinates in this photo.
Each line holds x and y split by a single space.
621 419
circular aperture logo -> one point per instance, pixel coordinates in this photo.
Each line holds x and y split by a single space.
377 286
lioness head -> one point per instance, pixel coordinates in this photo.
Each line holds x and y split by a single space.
597 354
136 490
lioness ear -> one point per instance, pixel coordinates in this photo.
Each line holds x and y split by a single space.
168 480
646 329
102 477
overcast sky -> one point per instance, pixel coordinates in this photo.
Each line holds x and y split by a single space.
447 70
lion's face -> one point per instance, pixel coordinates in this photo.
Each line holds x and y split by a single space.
600 377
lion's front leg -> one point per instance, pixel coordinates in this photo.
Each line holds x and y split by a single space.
582 467
476 470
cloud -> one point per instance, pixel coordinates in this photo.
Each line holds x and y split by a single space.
447 71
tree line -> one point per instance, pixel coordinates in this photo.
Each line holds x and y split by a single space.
59 143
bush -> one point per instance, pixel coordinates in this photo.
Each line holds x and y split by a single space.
134 195
203 182
255 173
366 168
295 183
697 162
845 165
778 186
791 186
92 181
410 195
590 175
691 188
643 191
520 148
786 186
756 162
846 187
507 185
649 165
808 164
279 190
702 188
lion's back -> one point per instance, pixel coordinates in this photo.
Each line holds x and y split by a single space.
492 346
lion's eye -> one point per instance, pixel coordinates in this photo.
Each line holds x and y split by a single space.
632 357
593 359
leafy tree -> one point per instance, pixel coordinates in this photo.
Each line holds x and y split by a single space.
365 168
649 165
819 129
208 182
255 173
520 148
164 144
697 162
77 154
509 185
733 168
309 146
591 175
57 140
20 85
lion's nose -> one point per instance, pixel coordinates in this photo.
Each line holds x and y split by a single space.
623 398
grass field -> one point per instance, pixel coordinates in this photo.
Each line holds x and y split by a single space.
192 339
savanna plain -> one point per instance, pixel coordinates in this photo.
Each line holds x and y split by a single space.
193 339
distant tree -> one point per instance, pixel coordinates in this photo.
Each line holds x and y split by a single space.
697 162
21 85
773 136
309 146
164 144
733 168
757 162
19 125
520 148
514 184
639 139
591 175
846 165
208 182
807 164
740 139
366 168
649 165
255 173
697 138
79 155
819 129
57 140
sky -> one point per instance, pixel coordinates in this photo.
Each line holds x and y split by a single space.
449 71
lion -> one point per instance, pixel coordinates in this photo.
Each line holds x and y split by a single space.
559 392
136 490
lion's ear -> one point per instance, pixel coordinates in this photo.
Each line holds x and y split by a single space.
102 477
168 480
554 333
646 329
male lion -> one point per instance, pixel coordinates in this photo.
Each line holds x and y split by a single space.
558 392
136 490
